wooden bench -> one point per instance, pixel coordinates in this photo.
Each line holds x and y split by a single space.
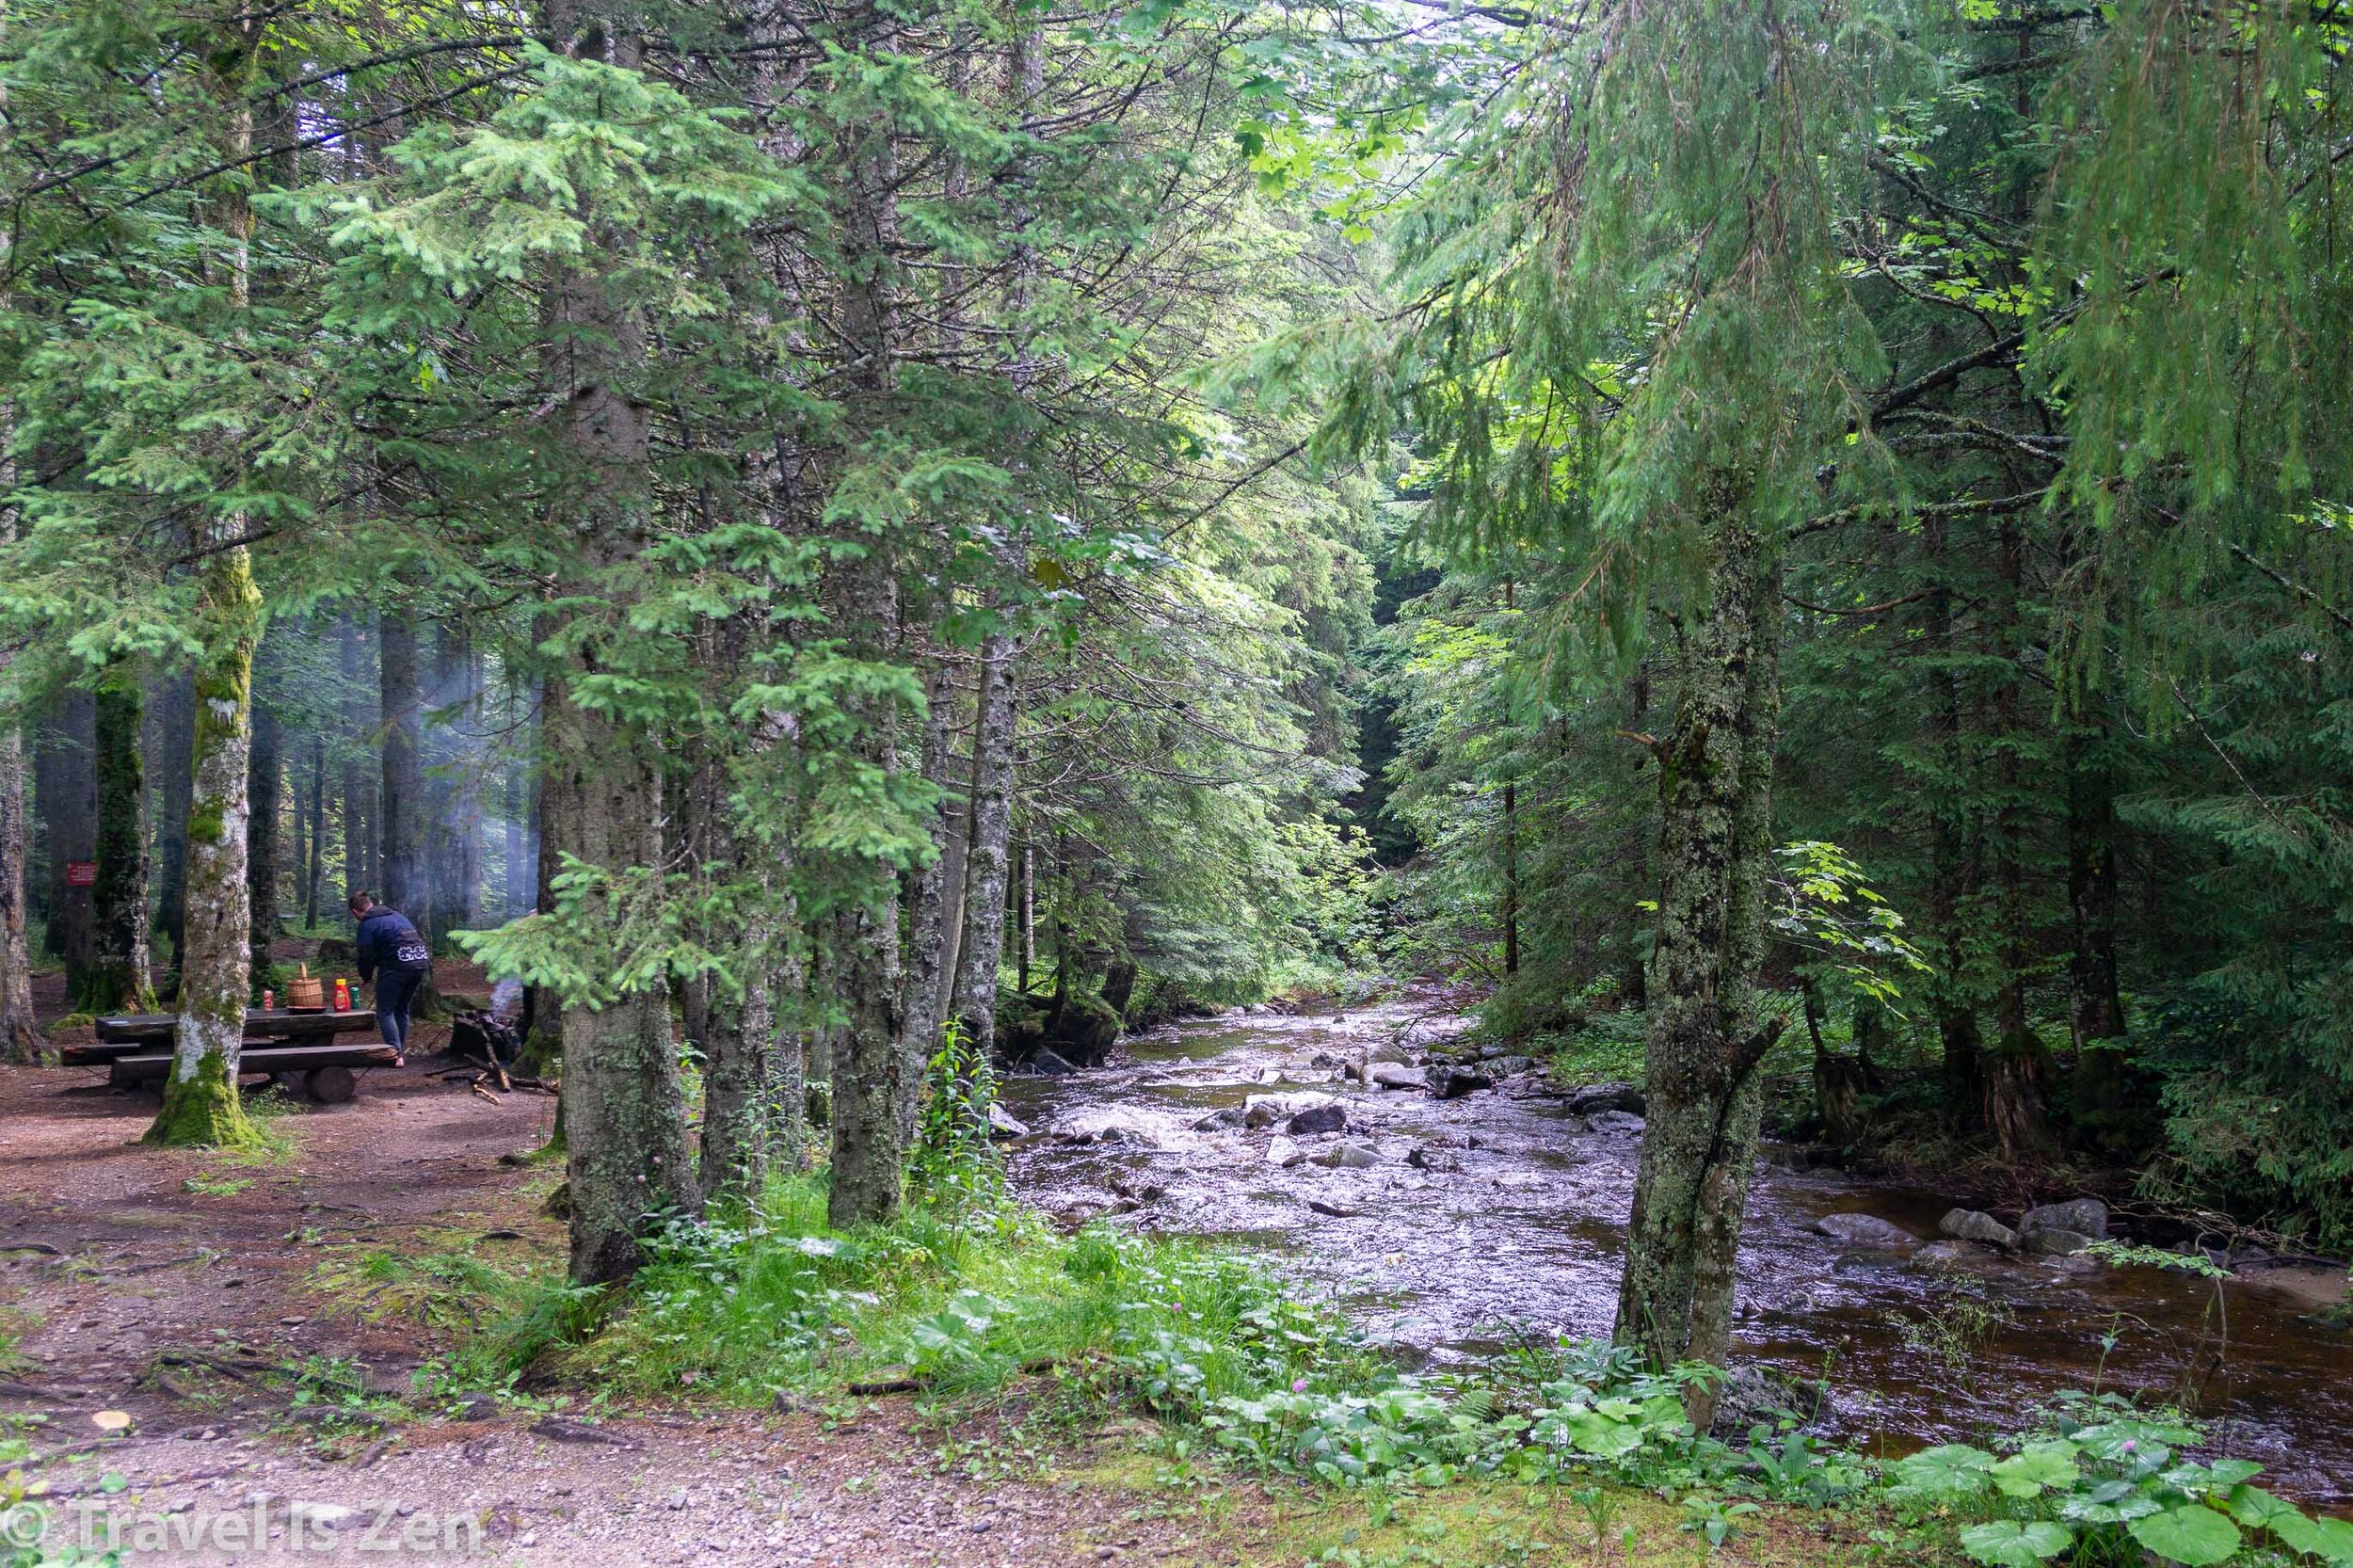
322 1072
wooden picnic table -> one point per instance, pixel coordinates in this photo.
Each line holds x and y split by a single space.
323 1072
278 1023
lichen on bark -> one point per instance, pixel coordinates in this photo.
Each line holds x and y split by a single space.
1705 1035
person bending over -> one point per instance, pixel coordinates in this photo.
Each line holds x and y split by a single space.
395 957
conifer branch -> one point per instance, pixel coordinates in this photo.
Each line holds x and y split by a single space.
2343 621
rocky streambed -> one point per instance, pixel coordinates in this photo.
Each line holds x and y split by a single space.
1452 1208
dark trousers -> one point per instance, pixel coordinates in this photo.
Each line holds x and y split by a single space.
395 990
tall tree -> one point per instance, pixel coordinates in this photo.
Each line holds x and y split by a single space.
401 808
116 979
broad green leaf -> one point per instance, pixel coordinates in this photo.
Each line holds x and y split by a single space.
1949 1467
2010 1545
2330 1540
2192 1534
2257 1509
2041 1466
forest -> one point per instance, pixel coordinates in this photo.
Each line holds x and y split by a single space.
1343 781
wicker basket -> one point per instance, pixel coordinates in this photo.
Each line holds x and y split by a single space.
304 994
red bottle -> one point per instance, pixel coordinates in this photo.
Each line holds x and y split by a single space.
342 995
269 1002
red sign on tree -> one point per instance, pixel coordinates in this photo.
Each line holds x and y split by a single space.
81 874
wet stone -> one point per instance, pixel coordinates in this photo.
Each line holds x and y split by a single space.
1331 1116
1969 1224
2087 1217
1865 1230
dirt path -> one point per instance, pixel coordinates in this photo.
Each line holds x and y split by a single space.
139 1281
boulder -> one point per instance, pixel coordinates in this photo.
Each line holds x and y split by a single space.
1283 1153
1349 1156
1225 1118
1749 1395
1507 1066
1389 1051
1109 1125
1620 1123
2053 1241
1338 1211
1325 1058
1002 1124
2083 1216
1608 1097
1046 1064
1865 1230
1266 1110
1331 1116
1393 1075
1969 1224
1424 1157
1453 1083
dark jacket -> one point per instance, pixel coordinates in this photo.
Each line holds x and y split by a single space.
388 941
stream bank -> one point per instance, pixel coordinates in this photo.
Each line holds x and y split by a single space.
1447 1225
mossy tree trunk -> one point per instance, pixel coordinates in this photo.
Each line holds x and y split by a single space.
200 1094
1705 1038
118 980
200 1106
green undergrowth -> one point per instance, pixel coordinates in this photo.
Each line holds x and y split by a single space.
959 1301
977 1307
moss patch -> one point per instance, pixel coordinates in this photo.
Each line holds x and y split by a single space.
1223 1519
203 1111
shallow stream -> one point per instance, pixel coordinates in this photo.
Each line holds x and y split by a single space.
1520 1227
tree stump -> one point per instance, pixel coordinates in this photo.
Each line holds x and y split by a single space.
330 1085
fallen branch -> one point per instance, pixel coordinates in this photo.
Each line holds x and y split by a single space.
477 1088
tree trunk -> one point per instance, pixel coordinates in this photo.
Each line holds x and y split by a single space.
1705 1038
401 803
927 1004
264 789
624 1109
973 1000
359 778
200 1104
2098 1013
515 886
21 1040
67 798
176 760
1951 866
314 871
118 980
863 586
2017 1073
